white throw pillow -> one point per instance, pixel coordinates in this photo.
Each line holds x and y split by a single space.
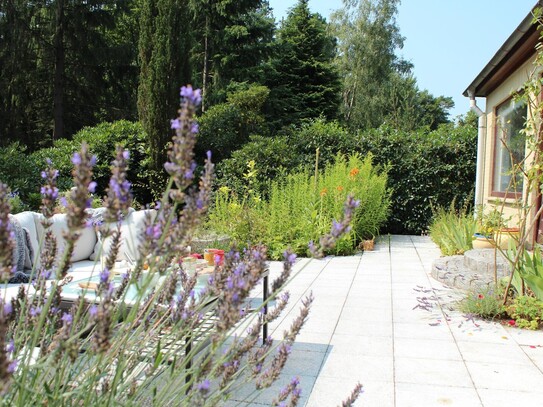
84 246
132 230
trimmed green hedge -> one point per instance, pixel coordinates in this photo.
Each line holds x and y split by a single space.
426 168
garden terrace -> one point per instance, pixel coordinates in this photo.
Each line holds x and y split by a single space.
381 319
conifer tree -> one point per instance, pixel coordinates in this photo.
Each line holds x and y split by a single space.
164 66
304 82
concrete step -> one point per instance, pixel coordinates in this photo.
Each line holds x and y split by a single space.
474 270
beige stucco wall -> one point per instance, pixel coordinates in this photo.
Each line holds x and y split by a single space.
496 98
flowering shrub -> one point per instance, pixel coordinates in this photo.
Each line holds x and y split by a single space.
485 303
119 352
301 206
527 312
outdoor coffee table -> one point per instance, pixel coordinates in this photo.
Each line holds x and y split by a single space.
73 290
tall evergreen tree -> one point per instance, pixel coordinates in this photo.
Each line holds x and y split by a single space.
60 66
164 67
304 82
17 62
232 40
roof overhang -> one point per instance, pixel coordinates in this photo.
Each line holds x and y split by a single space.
517 49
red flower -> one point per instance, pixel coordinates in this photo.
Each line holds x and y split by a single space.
480 296
511 322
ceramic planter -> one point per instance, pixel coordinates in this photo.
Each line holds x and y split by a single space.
483 243
506 235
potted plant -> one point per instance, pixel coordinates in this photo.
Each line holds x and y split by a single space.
368 244
494 232
487 225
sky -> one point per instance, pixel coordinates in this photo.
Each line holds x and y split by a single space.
448 41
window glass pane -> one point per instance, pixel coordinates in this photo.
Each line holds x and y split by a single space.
510 146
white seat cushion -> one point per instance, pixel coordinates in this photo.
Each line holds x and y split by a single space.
132 232
84 246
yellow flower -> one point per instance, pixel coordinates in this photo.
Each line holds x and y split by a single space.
354 172
324 191
339 188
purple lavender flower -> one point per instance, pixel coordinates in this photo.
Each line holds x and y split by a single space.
104 275
67 318
34 311
8 308
76 159
93 311
12 367
175 124
10 347
204 386
289 257
92 187
194 96
119 195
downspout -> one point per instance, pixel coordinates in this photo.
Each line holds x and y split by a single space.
480 150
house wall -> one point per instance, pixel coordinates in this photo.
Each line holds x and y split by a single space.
501 94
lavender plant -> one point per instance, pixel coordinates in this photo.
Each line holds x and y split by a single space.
170 344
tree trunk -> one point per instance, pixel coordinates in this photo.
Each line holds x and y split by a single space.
58 81
205 68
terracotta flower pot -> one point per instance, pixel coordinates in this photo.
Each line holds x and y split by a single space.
368 245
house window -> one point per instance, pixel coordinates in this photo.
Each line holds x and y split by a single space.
510 145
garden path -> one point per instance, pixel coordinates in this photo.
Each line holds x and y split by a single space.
380 319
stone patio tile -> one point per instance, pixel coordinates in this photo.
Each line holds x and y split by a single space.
482 332
367 314
362 328
359 345
305 363
431 372
506 397
535 353
371 280
324 291
525 378
341 365
421 331
358 302
525 336
246 392
317 338
499 353
331 392
426 349
417 395
328 300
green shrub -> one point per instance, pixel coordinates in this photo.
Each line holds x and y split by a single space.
291 151
526 311
330 138
226 127
18 171
486 303
452 229
274 157
301 207
426 168
102 140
